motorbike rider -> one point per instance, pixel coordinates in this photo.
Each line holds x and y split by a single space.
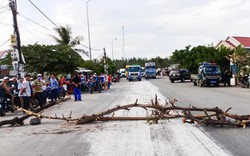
5 91
244 79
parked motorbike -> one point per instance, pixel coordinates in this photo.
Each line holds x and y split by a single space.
60 92
5 106
244 82
92 86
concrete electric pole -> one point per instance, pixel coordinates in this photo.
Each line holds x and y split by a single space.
17 54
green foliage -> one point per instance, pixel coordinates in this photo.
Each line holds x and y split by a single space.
190 59
7 60
51 58
65 36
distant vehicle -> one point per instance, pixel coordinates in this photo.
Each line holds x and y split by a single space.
142 71
179 74
126 71
150 71
134 72
208 74
122 72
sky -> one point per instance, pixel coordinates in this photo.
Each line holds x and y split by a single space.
151 27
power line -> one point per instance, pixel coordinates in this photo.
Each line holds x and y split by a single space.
4 6
5 24
43 14
27 34
57 25
2 1
35 22
5 9
4 43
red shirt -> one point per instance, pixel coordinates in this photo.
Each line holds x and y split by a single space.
109 78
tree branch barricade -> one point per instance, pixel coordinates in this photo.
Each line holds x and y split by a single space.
18 121
203 116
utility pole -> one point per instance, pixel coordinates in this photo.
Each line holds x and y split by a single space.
87 9
17 47
104 61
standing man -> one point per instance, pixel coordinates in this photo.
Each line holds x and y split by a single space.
26 92
76 81
38 84
20 84
227 76
54 86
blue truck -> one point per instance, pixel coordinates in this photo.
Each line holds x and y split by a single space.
134 72
208 74
150 71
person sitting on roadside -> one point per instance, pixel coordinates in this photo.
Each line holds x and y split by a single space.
5 91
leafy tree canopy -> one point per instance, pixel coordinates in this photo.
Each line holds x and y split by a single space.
51 58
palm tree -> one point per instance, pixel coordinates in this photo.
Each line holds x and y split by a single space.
65 38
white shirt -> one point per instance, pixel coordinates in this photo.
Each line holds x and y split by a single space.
19 87
27 90
65 87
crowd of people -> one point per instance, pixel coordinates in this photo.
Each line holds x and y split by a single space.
21 91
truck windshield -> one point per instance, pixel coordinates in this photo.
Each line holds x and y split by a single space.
212 70
147 67
134 69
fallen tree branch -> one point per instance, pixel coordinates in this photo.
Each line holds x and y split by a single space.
16 121
207 116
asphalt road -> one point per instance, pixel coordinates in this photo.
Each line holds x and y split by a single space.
132 138
234 140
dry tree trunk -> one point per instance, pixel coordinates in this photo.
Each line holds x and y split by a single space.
20 120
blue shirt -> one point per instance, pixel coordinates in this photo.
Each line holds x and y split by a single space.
82 80
53 83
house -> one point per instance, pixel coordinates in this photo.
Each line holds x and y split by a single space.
3 54
234 41
3 68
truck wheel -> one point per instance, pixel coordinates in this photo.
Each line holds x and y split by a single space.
182 79
172 81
